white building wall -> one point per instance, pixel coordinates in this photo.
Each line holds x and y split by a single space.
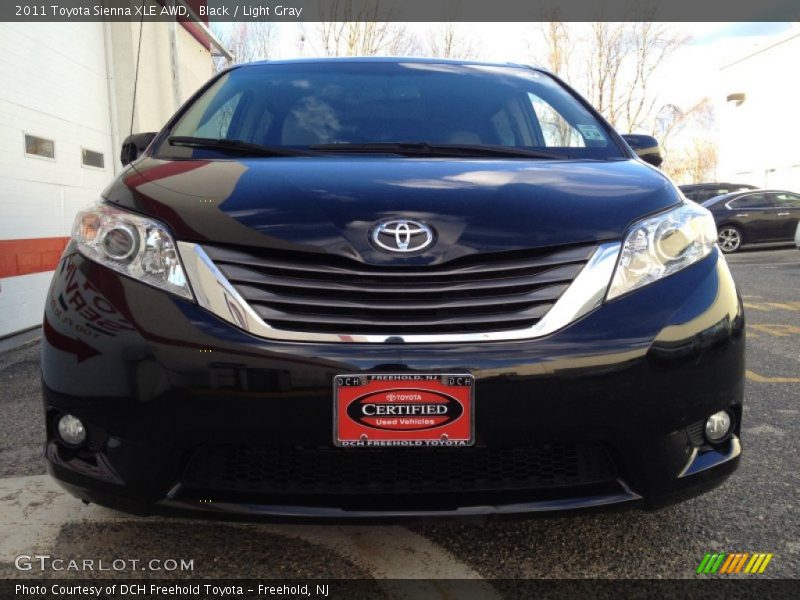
759 138
196 66
22 301
156 100
54 86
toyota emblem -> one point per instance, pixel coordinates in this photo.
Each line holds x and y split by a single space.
402 235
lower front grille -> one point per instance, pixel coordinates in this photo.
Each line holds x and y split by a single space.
265 470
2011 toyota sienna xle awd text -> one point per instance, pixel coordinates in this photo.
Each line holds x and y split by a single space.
390 287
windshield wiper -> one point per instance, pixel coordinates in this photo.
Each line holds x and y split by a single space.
426 149
237 146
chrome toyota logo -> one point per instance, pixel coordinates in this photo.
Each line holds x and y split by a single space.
402 235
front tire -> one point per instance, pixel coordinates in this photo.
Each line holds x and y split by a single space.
729 239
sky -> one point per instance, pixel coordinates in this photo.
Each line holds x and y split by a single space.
691 74
694 71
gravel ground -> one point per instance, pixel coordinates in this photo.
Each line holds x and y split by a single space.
21 425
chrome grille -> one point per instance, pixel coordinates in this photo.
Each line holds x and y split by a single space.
318 293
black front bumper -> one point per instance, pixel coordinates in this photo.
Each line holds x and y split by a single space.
186 412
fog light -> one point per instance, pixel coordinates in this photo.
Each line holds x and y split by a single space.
718 426
71 430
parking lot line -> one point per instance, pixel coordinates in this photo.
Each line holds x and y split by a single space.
753 376
768 306
774 330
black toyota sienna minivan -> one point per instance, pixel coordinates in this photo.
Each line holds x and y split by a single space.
392 288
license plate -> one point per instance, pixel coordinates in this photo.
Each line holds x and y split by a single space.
403 410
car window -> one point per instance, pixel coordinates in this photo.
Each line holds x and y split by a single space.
751 201
556 131
785 200
304 104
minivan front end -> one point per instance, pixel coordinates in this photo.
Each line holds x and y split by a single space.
494 317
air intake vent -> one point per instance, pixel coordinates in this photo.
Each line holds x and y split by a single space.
264 470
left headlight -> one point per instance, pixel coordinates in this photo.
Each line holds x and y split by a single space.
662 245
133 245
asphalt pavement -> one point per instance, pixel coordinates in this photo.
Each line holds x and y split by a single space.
756 510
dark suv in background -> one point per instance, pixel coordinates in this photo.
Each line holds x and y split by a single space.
700 192
391 287
755 217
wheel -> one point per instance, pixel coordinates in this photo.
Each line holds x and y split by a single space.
729 239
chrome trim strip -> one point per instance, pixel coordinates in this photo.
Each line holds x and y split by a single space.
702 461
543 506
216 294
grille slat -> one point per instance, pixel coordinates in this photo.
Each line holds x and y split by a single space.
257 469
467 265
375 319
319 293
259 295
237 274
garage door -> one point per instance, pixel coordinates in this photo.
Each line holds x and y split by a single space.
55 153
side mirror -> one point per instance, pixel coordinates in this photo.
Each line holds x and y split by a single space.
646 147
134 145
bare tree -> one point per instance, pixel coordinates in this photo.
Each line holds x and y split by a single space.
557 41
697 163
671 120
359 28
447 41
247 42
616 62
363 38
606 52
615 65
651 43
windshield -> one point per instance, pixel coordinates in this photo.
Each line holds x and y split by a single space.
313 105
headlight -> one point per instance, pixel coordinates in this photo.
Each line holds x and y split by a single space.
662 245
132 245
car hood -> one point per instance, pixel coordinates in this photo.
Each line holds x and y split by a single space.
329 204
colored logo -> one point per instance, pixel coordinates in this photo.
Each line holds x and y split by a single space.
405 409
734 563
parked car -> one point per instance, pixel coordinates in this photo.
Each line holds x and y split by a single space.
700 192
390 287
755 217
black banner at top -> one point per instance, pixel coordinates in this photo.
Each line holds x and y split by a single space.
400 10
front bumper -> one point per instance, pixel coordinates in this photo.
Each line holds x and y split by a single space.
603 412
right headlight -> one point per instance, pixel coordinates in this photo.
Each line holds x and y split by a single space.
661 245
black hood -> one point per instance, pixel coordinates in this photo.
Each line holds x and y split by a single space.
330 204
